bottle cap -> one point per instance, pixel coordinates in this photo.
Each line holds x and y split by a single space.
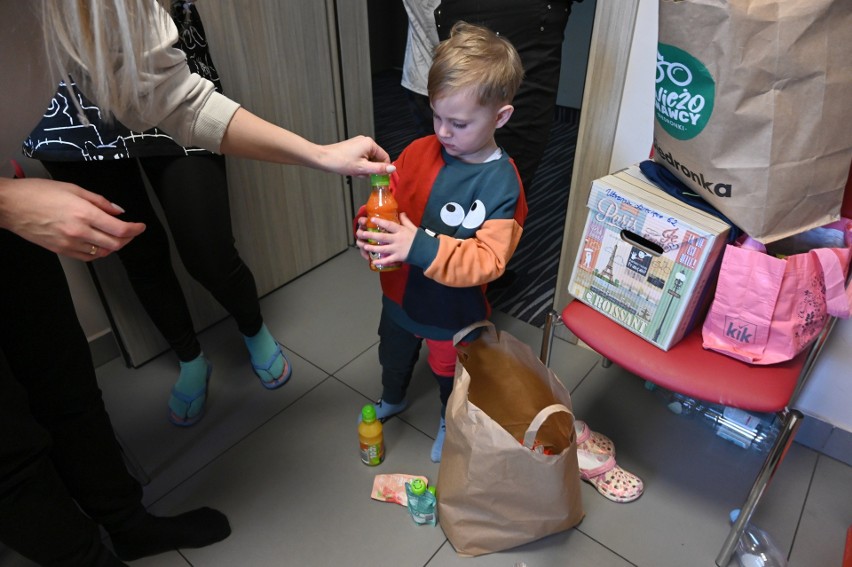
368 413
418 487
379 179
433 490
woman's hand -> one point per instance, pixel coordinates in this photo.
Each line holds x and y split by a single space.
64 218
358 156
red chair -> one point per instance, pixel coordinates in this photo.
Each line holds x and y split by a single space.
847 554
690 370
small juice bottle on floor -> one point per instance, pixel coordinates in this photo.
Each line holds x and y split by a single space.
371 437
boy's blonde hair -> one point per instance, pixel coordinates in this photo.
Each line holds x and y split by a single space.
476 58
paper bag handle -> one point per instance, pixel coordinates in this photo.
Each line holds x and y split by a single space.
532 430
457 338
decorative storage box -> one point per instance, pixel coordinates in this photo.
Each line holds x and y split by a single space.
647 260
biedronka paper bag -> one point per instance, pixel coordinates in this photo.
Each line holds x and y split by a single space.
754 108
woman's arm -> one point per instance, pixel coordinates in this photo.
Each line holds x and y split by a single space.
187 107
251 137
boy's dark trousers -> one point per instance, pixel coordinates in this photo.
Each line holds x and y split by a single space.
398 353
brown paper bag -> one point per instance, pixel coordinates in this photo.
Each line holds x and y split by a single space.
495 491
753 107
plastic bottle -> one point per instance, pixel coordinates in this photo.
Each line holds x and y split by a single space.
382 205
421 502
371 437
756 548
749 430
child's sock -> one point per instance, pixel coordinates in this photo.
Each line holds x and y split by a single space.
385 410
438 444
151 534
192 379
262 347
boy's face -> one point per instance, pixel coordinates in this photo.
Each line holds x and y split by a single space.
466 128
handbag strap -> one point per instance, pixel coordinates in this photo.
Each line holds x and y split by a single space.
838 299
540 418
457 338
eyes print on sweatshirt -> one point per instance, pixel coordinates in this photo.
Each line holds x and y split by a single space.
454 215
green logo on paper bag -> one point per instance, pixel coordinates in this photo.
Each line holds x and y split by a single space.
685 93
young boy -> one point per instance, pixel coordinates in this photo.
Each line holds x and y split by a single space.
462 210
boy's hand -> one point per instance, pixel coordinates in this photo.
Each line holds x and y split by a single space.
361 242
394 244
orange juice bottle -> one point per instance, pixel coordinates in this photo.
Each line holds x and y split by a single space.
371 437
382 205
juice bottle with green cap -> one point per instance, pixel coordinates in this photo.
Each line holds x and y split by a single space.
421 502
380 205
371 437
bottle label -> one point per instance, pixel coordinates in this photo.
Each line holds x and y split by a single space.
372 454
740 417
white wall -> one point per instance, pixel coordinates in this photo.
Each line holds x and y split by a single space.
828 394
634 134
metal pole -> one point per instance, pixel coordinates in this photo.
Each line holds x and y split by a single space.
792 421
550 323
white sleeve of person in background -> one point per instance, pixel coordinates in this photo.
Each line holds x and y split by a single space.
422 39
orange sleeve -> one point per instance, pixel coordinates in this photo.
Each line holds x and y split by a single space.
475 261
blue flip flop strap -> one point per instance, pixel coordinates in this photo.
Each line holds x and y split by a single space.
278 352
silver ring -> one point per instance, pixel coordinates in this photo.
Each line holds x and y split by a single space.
94 250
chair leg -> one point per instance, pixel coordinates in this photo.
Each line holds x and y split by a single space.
550 323
791 421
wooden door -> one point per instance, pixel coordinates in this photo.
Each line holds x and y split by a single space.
282 61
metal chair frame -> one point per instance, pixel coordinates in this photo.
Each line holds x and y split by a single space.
790 420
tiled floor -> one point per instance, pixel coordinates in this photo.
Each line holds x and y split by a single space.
284 465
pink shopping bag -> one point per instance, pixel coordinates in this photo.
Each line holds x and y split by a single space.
768 309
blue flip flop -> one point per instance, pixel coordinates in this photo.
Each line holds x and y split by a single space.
263 370
186 421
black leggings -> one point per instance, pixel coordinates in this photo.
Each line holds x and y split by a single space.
193 194
57 445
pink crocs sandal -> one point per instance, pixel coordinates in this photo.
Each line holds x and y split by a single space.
612 481
592 441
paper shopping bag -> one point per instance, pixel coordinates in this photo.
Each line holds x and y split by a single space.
752 108
769 309
509 473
